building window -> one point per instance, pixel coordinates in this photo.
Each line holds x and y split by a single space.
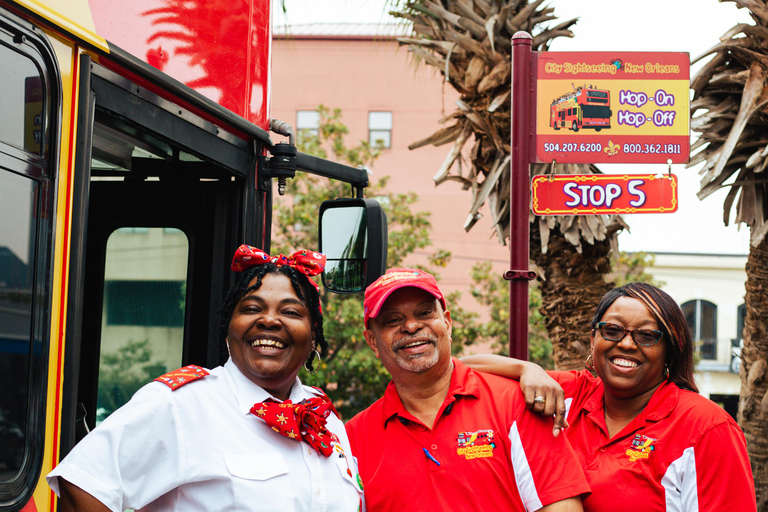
741 317
307 123
145 303
701 316
738 342
380 129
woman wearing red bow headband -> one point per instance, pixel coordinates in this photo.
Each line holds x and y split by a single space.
244 436
254 264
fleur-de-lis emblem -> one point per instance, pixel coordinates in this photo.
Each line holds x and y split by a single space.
612 149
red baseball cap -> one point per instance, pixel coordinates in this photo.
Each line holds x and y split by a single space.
394 279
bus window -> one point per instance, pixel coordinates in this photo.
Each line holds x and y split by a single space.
21 102
142 332
25 230
17 246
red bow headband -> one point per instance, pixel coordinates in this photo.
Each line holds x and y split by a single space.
307 262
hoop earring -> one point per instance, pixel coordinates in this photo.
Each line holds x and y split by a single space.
590 362
226 340
308 364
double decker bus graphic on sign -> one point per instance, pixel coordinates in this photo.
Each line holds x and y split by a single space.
585 107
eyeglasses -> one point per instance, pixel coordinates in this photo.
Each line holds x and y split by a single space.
643 337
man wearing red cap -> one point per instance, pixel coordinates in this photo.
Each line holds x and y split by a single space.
445 437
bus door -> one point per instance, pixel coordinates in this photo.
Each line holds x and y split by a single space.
159 203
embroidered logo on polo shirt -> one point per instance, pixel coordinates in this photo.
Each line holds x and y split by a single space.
475 445
642 446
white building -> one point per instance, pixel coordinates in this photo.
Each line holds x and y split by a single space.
710 290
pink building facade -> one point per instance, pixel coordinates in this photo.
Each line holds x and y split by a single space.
362 70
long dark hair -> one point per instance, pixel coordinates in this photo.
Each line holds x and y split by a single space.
301 285
669 316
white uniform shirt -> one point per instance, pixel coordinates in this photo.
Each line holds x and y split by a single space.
199 448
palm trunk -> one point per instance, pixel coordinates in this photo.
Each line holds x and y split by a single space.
753 409
571 286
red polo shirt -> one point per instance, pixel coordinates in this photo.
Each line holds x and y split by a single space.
682 453
493 453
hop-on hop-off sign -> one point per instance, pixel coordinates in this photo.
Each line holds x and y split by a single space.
597 194
604 107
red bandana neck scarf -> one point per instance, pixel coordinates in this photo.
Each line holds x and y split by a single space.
304 421
307 262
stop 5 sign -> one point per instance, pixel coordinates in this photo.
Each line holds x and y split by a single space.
597 194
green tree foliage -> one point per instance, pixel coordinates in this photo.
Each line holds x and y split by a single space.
122 373
490 290
630 267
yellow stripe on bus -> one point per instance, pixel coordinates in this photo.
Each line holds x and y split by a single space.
67 55
73 16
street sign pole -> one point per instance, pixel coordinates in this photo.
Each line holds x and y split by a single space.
519 187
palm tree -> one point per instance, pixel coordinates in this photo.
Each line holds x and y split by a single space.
730 113
469 42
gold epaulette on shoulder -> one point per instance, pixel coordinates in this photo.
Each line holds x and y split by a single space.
178 378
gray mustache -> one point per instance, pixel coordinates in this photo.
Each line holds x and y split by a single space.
401 342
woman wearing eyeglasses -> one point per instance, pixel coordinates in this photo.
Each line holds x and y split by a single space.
646 439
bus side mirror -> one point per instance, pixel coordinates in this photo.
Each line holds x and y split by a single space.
353 236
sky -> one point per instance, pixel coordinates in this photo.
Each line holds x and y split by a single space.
691 26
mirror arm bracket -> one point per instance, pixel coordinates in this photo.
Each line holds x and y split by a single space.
281 165
286 160
355 176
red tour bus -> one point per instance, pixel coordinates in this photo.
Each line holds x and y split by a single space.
135 156
586 107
